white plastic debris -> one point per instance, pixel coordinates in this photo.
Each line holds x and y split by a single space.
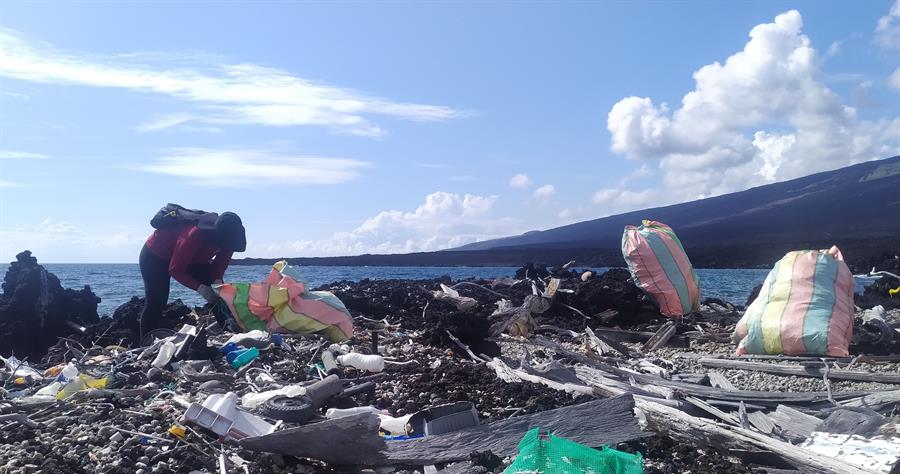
165 354
254 338
328 361
878 453
874 313
343 412
369 363
462 303
586 276
253 400
394 426
21 369
219 413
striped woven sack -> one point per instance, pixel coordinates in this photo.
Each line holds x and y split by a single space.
281 304
805 306
660 267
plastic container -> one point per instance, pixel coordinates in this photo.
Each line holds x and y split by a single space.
229 347
369 363
219 414
444 419
240 358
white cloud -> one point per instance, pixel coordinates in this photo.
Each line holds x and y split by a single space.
222 93
887 30
834 49
445 220
246 167
11 184
54 240
894 80
21 155
520 181
544 192
764 115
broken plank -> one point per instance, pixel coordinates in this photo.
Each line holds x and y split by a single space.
801 371
795 424
718 380
624 335
726 417
599 340
694 430
661 338
761 421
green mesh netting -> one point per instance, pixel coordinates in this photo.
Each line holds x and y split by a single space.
556 455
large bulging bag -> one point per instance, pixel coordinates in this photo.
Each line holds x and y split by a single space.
805 306
659 266
281 304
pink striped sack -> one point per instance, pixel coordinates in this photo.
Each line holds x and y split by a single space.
660 267
805 306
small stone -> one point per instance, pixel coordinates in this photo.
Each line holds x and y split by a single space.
143 460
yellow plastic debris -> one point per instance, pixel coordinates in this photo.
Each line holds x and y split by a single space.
83 382
894 291
177 431
19 381
54 371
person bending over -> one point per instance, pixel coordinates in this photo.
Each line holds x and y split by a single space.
195 254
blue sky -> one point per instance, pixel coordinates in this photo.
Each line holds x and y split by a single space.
344 128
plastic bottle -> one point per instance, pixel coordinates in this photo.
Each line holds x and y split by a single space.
241 358
342 412
166 351
370 363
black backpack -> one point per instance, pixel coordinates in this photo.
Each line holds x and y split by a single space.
173 215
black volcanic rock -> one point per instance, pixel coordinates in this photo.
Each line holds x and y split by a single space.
34 309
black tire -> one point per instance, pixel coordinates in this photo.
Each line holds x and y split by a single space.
293 409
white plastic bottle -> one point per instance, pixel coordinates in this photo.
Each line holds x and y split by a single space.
370 363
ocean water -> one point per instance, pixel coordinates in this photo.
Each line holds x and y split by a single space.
117 283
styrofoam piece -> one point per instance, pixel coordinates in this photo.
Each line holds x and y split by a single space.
219 413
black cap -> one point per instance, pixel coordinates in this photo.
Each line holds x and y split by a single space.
227 231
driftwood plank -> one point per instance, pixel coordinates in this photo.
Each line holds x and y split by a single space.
801 371
718 380
349 440
761 421
595 423
795 424
661 337
354 439
695 430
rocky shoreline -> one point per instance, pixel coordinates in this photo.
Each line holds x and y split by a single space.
425 339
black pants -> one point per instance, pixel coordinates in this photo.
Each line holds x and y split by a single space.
155 272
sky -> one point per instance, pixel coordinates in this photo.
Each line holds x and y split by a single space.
342 128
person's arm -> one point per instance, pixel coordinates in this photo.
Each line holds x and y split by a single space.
185 248
219 264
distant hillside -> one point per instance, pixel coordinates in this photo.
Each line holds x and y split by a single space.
857 208
860 201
